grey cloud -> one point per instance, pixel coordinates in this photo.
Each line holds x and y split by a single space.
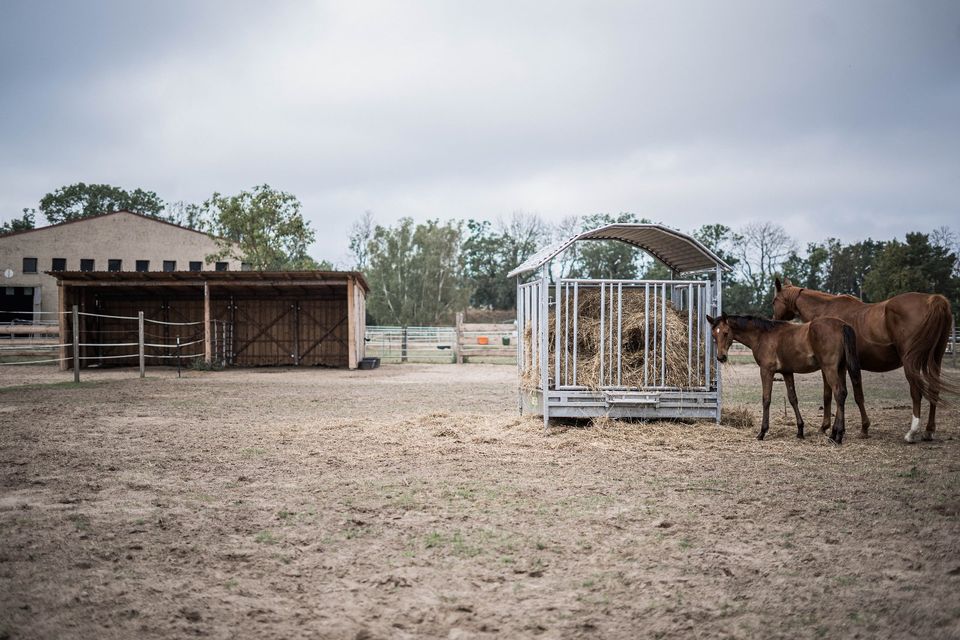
837 117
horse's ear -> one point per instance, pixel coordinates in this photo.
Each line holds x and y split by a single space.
776 283
723 316
711 320
787 282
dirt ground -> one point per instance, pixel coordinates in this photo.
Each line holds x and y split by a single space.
412 501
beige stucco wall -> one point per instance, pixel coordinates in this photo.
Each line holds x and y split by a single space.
125 236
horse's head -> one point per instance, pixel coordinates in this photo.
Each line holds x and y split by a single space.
722 335
785 300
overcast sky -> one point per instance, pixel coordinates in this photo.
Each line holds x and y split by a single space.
834 118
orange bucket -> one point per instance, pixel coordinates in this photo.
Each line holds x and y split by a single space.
483 340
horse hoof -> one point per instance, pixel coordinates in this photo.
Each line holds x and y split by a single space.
912 437
864 433
760 436
928 436
800 436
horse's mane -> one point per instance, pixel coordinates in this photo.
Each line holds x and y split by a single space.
746 323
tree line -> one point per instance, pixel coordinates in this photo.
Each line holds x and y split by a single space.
422 273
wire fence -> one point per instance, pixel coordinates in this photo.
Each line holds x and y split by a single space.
35 343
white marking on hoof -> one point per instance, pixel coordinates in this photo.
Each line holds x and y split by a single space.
914 434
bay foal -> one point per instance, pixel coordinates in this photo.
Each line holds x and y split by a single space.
787 348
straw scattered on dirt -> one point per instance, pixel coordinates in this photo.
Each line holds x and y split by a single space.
413 501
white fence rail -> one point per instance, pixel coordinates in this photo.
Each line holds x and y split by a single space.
25 344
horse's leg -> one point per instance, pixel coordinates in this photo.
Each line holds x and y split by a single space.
766 377
827 397
914 434
934 398
792 396
838 383
857 382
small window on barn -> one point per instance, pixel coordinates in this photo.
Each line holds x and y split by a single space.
246 266
143 265
196 265
29 265
58 264
222 266
114 264
86 264
169 265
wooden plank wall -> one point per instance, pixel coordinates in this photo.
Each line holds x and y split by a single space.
266 331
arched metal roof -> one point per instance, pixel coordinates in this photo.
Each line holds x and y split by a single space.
678 251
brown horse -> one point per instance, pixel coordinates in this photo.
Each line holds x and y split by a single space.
909 330
826 344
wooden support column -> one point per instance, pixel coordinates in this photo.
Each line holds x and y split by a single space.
352 325
62 319
207 341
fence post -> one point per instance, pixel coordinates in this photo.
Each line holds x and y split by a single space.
955 347
403 345
76 343
140 344
178 356
459 343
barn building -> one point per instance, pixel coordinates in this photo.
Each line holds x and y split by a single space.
120 241
244 318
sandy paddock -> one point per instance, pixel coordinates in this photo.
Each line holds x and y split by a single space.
412 501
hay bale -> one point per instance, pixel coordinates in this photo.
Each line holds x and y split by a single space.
634 330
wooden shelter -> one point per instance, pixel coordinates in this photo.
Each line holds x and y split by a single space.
244 318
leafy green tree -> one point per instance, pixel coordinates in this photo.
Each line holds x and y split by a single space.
807 271
82 200
849 266
23 223
187 215
262 227
416 273
914 265
490 254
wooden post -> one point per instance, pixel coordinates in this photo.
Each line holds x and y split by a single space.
296 332
62 321
458 347
954 347
352 326
403 345
207 342
142 351
76 343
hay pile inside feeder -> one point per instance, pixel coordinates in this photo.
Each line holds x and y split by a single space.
635 328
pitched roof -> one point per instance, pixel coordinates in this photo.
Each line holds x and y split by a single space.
677 250
104 215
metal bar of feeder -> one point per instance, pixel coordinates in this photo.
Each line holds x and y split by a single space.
566 334
603 291
689 332
576 315
663 337
610 347
619 333
646 332
556 332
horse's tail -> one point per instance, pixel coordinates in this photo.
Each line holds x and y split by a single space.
850 355
924 352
